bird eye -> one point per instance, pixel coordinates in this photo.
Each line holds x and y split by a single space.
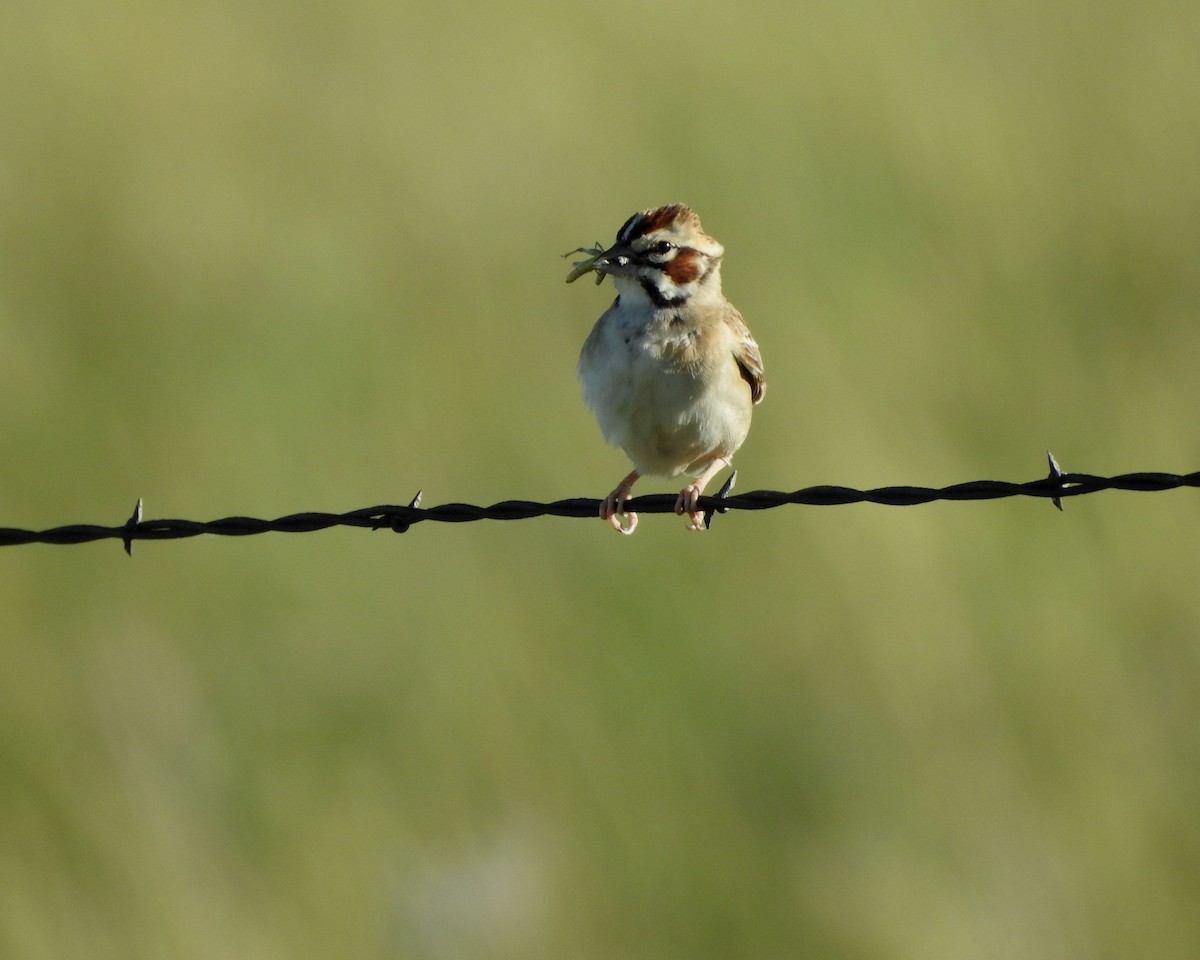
662 247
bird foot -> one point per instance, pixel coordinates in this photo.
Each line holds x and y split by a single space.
612 509
688 505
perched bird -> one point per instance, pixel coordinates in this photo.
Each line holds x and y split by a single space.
670 369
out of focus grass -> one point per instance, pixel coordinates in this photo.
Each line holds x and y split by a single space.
257 259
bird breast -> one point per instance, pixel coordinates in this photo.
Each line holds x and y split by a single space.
651 380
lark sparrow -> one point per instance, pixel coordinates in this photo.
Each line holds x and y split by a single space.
670 369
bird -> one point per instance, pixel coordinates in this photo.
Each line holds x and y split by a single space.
670 369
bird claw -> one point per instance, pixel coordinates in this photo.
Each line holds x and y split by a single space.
612 509
688 504
615 522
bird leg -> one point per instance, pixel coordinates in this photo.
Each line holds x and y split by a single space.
689 497
612 507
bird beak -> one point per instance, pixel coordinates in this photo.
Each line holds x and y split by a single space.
617 261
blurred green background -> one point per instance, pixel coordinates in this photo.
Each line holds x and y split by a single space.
260 258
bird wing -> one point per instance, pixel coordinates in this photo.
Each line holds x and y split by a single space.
749 360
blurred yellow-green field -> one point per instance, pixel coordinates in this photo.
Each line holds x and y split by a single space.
258 259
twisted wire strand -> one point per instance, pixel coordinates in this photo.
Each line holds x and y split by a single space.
1055 487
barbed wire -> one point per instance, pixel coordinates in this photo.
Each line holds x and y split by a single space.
1055 487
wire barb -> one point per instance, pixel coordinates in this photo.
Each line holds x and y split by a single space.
1055 477
1055 487
721 495
399 519
131 527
